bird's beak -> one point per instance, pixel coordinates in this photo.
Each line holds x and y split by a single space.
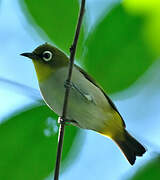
30 55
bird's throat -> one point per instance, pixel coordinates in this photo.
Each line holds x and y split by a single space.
42 71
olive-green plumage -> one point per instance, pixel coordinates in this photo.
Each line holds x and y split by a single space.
89 107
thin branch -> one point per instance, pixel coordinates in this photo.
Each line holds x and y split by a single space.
68 81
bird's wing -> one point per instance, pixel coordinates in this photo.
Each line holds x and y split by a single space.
93 82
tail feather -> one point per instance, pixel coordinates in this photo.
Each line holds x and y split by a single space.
130 147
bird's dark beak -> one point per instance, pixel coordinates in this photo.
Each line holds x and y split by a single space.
30 55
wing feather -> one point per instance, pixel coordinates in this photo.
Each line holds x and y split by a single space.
107 97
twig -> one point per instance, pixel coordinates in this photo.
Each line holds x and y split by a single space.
62 125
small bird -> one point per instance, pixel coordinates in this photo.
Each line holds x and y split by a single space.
89 107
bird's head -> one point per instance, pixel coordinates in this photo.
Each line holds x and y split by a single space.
47 59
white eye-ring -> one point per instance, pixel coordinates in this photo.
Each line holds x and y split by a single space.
47 55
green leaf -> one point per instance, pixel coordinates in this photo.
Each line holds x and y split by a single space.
57 19
117 53
150 171
150 9
28 144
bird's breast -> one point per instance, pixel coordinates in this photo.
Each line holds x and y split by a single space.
87 104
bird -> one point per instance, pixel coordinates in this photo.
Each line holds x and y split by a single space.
89 107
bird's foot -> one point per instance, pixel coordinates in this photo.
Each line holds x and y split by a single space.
66 121
68 84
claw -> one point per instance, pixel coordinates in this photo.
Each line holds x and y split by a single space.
67 84
60 120
66 121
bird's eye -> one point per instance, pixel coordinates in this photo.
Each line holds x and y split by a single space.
47 55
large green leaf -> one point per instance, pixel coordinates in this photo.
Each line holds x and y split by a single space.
151 9
57 19
151 171
28 144
117 53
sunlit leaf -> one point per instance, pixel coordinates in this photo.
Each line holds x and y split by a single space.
28 144
117 53
142 6
150 171
57 19
150 9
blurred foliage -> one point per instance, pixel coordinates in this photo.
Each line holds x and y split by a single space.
150 9
28 142
150 171
57 19
120 47
117 53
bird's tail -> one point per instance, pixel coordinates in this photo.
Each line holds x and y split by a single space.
129 146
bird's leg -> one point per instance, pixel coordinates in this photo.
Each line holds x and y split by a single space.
85 95
66 121
72 85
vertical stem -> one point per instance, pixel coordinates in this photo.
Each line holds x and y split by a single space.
68 80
